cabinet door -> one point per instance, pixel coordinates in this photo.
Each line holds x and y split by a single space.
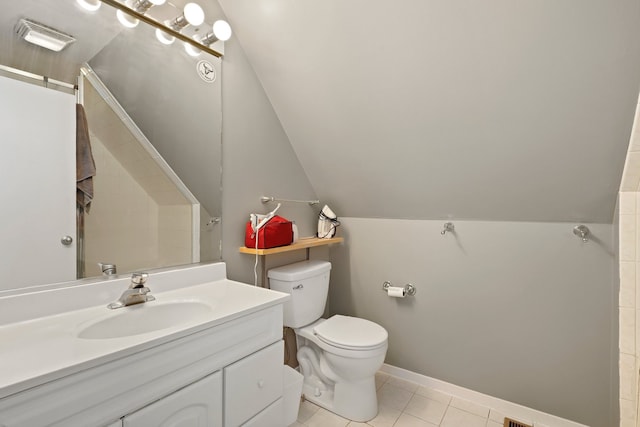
197 405
270 417
252 384
115 424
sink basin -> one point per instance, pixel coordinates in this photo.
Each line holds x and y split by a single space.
143 318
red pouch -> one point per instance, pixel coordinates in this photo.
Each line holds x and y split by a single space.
277 232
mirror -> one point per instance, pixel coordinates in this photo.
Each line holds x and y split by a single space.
154 114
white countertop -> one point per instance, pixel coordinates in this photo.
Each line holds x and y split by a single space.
37 350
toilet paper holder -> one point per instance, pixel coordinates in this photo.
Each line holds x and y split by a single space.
409 289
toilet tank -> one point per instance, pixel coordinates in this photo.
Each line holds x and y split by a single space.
308 284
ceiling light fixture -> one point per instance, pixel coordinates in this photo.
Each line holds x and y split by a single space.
192 14
90 5
43 36
221 31
168 31
140 6
127 20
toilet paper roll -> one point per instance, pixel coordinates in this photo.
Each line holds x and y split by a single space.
395 291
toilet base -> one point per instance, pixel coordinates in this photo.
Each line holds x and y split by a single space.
353 401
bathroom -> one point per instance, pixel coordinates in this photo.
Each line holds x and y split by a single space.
509 120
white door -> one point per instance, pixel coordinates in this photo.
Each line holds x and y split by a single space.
197 405
37 185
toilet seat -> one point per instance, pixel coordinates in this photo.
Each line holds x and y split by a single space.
351 333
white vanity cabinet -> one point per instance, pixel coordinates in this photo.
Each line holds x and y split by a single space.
197 405
227 375
252 392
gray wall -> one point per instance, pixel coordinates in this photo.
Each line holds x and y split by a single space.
257 161
177 111
498 111
519 311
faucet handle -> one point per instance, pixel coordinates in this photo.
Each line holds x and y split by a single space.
107 269
139 279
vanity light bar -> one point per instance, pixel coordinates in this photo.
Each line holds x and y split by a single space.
170 31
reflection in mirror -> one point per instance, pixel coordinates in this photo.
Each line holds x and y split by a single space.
154 119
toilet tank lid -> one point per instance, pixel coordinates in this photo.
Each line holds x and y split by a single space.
299 270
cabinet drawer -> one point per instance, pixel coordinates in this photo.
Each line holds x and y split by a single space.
252 384
270 417
198 404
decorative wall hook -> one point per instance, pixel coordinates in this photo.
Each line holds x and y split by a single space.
582 231
448 226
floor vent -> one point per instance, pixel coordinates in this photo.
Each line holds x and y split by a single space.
508 422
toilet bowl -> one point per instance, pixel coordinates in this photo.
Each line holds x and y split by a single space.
338 356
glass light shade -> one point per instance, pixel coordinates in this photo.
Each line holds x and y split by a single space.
194 14
126 20
164 38
158 2
90 5
222 30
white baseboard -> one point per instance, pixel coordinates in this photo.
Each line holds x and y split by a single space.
512 410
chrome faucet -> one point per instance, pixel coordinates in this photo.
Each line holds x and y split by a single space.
108 269
136 294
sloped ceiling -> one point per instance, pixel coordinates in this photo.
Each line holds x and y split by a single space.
491 110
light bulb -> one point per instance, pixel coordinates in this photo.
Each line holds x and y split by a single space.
222 30
127 20
164 38
193 13
141 6
192 50
90 5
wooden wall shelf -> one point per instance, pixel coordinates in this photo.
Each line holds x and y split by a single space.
303 243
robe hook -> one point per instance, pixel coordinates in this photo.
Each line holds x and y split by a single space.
582 231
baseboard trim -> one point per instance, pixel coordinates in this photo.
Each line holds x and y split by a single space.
507 408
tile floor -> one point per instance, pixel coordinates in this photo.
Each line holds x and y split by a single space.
404 404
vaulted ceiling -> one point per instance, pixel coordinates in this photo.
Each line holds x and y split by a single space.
500 110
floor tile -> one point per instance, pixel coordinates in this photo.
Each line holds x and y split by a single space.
434 394
407 420
393 397
324 418
472 407
307 409
386 417
455 417
381 378
403 384
402 403
426 409
496 416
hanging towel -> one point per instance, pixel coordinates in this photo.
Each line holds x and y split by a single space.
85 165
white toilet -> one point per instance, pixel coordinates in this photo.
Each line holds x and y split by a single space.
338 356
